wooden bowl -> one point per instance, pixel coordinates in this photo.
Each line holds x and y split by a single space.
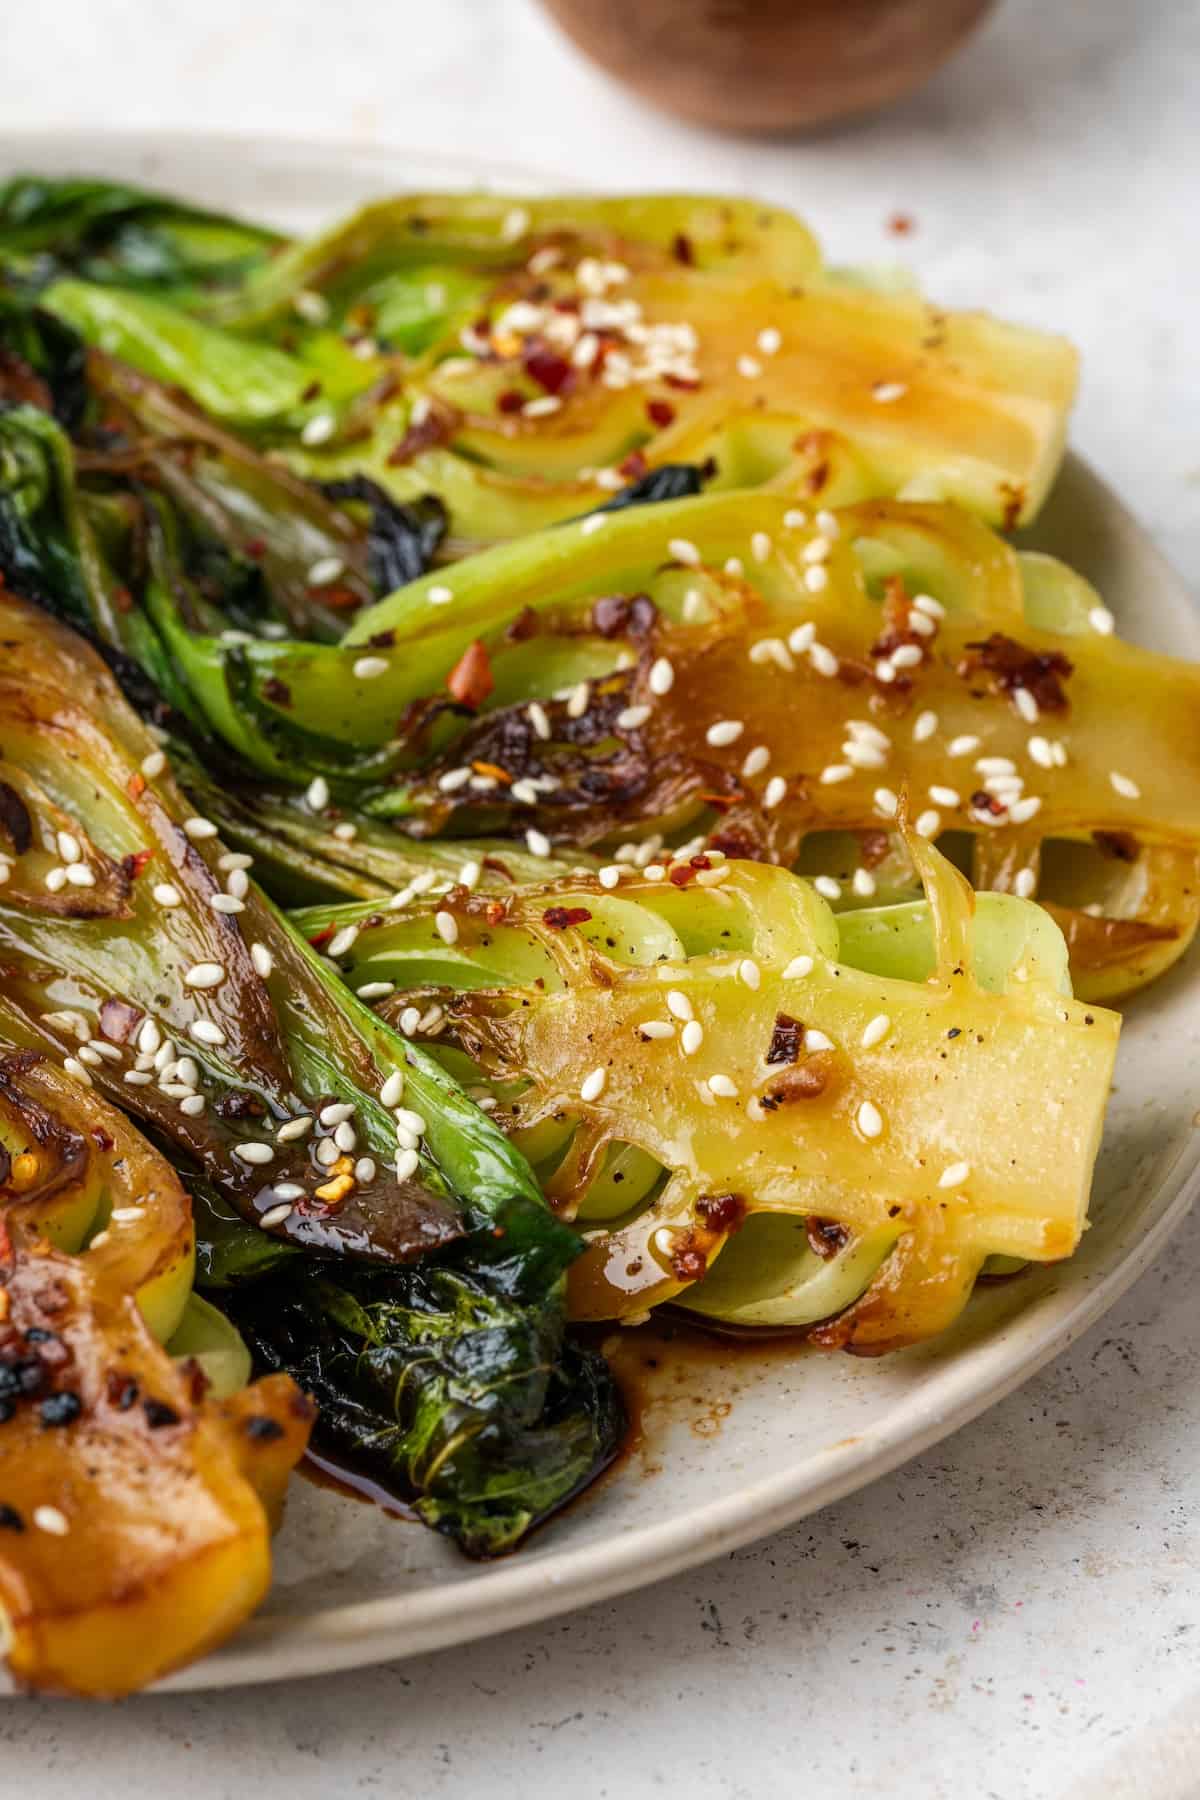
768 66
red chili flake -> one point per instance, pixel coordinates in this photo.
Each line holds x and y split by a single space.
276 691
510 401
255 548
1013 665
988 803
496 911
816 478
1121 844
322 937
545 366
873 847
433 429
825 1236
524 626
496 867
131 867
559 917
470 681
660 412
686 384
901 224
135 787
721 1212
681 250
311 391
785 1039
689 1260
680 875
101 1138
634 466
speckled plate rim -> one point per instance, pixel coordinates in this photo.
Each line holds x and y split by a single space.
264 174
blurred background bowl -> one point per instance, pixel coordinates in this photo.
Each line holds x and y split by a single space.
764 66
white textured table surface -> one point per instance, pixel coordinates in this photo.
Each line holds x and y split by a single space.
944 1632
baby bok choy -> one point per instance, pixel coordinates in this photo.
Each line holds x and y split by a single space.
142 960
750 1114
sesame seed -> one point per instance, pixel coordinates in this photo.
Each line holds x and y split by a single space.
773 650
309 305
832 773
678 1004
186 1070
963 746
802 638
695 607
90 1056
750 367
1124 786
524 792
755 761
318 430
149 1037
869 1119
341 941
691 1037
862 755
367 668
1026 705
407 1164
875 1032
577 701
798 968
630 717
662 676
164 1055
392 1091
827 887
410 1018
345 1137
439 595
995 765
254 1152
542 407
137 1077
795 519
317 794
1039 749
364 1169
823 660
748 971
706 878
1101 620
656 1028
376 990
193 1105
817 549
816 578
325 570
919 621
536 713
447 927
238 883
655 872
885 670
885 392
929 824
166 894
79 875
336 1112
1025 884
609 876
769 340
886 802
593 523
866 733
50 1519
593 1085
907 656
722 1087
954 1175
55 879
684 551
760 547
408 1120
863 883
262 959
126 1215
275 1215
205 975
537 842
68 846
326 1152
226 903
724 732
1021 811
292 1129
932 608
944 796
774 792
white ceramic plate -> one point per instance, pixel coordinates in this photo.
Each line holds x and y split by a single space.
733 1446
